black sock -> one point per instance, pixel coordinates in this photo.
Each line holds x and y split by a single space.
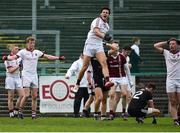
106 79
103 115
124 110
175 120
111 112
78 82
97 113
179 119
10 111
16 109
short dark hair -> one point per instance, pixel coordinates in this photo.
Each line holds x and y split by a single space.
105 8
127 47
173 39
151 85
114 41
135 39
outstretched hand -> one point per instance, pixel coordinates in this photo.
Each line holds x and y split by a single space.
4 57
61 57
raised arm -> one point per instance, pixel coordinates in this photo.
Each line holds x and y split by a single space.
159 46
10 58
114 47
51 57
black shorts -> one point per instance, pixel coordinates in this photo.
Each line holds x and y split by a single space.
136 112
92 93
99 82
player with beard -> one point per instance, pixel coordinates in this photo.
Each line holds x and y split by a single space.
172 59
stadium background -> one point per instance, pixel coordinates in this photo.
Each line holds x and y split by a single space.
61 27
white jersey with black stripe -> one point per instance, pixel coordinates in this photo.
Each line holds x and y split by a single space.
103 26
12 63
30 60
172 64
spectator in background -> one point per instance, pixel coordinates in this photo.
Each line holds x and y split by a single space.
82 92
30 56
172 58
135 58
13 81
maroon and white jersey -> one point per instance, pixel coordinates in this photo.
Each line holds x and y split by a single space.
116 65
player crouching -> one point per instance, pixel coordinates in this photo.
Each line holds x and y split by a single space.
142 104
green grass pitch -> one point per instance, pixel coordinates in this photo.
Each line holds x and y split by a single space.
67 124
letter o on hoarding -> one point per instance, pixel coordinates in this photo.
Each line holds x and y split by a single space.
59 90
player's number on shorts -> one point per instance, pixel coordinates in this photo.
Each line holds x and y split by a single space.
138 93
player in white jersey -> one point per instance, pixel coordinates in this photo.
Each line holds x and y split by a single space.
30 58
94 46
172 59
13 81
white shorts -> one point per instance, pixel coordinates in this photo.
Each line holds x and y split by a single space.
119 81
13 83
129 87
172 85
92 49
30 82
